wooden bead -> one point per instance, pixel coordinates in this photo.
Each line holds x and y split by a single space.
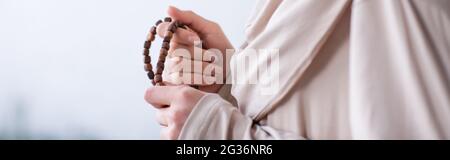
158 78
148 67
182 26
159 71
147 59
147 44
163 51
151 75
167 19
160 65
146 52
167 39
150 37
153 30
168 34
158 22
166 45
172 28
162 58
179 24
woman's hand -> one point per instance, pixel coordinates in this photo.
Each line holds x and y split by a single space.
173 104
213 41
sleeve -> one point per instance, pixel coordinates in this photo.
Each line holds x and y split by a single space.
400 69
215 118
225 93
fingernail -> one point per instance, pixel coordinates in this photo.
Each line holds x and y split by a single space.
173 8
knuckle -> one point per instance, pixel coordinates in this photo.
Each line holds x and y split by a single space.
177 117
191 12
172 133
174 78
173 44
184 93
171 115
179 51
215 25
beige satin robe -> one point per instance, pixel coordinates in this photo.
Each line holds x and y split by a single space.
350 69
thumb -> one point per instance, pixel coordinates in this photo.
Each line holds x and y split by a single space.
191 19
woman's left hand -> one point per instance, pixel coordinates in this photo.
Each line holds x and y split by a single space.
173 104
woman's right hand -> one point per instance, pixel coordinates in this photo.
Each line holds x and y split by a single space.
212 38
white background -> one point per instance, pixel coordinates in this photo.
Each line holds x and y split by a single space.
73 69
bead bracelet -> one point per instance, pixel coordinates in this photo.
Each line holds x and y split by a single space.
156 77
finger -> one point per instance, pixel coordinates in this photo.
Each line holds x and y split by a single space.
196 53
156 105
161 95
181 35
176 47
186 51
177 64
192 79
162 116
194 21
210 88
185 37
163 134
168 133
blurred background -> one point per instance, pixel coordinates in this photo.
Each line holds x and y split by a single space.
73 69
